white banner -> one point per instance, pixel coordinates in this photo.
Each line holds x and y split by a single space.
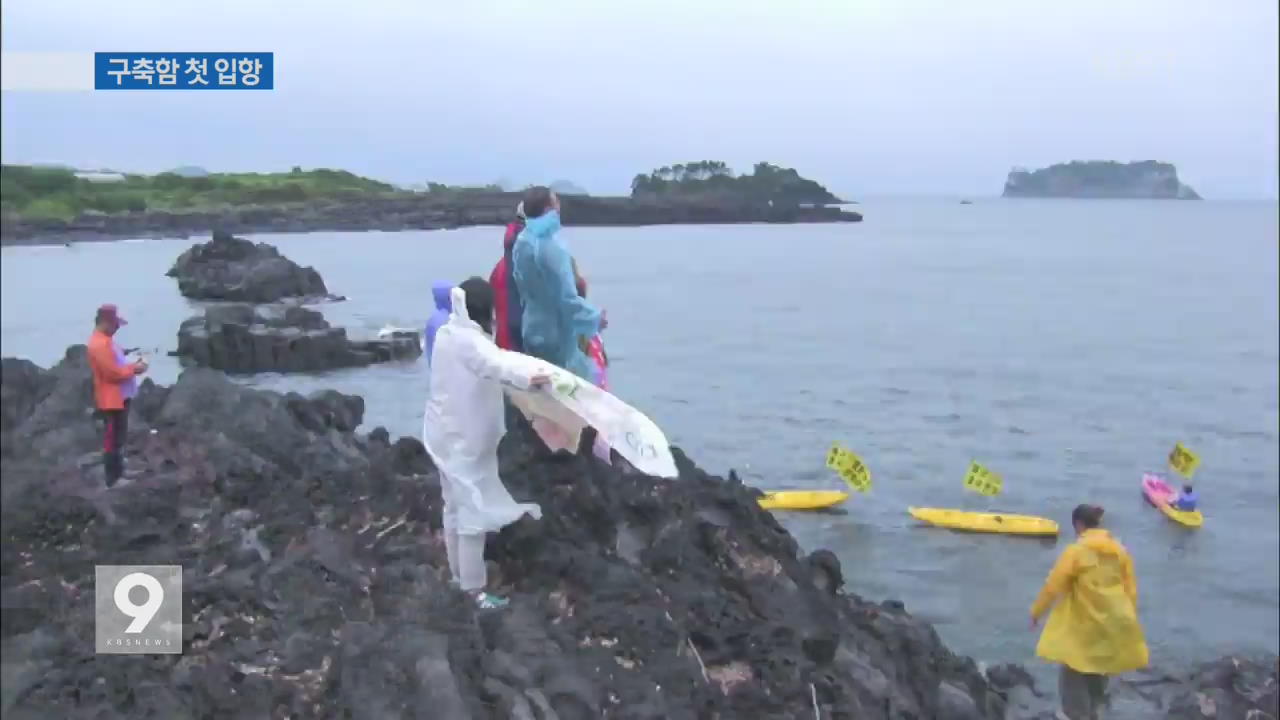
572 403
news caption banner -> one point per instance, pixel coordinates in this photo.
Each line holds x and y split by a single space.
183 71
138 609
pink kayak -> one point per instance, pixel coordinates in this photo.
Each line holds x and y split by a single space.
1159 494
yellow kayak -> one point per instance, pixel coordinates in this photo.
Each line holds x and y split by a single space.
1158 493
1190 519
802 499
986 522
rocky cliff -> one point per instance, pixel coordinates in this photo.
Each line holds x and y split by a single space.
315 584
1098 179
314 579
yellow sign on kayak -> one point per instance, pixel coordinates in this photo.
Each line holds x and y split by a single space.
982 481
850 467
833 457
1183 461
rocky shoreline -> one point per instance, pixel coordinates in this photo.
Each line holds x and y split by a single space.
315 583
424 211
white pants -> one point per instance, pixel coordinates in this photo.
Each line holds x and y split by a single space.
465 550
466 559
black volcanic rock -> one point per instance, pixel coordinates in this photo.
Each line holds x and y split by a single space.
281 338
315 582
232 268
1230 687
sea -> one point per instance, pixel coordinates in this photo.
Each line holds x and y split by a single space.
1065 344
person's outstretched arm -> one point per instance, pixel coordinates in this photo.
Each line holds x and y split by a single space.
1056 584
584 317
493 363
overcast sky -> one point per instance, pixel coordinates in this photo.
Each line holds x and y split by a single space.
869 97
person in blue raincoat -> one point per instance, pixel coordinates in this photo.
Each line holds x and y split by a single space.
1187 500
554 315
440 291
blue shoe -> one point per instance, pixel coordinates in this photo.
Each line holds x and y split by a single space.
487 601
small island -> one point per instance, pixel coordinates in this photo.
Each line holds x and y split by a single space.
60 205
711 178
1148 179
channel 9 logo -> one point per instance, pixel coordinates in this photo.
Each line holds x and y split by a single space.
138 609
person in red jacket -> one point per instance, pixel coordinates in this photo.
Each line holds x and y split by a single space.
114 383
506 298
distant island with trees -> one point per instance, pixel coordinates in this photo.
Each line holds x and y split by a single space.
1099 179
766 182
61 204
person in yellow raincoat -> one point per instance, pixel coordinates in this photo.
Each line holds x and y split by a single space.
1093 630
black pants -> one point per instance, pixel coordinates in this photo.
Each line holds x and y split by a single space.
1083 695
115 432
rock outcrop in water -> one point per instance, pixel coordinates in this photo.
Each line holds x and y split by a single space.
1098 179
315 582
281 338
232 268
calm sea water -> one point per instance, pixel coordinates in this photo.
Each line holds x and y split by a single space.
1065 344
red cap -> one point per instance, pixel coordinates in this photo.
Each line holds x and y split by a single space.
110 312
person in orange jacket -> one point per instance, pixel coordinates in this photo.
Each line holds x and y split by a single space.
1093 630
114 385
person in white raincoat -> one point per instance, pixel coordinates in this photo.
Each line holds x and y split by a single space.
463 423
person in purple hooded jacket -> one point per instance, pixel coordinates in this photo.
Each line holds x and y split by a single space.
440 291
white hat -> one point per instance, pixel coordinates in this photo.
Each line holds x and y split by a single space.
520 209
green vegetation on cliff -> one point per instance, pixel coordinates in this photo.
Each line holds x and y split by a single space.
56 193
59 193
712 177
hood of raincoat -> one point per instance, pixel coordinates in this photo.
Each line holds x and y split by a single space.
544 225
514 229
1100 540
1093 627
440 291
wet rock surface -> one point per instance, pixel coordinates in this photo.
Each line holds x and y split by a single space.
1226 688
281 338
315 581
232 268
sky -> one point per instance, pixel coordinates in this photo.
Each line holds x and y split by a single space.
892 97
